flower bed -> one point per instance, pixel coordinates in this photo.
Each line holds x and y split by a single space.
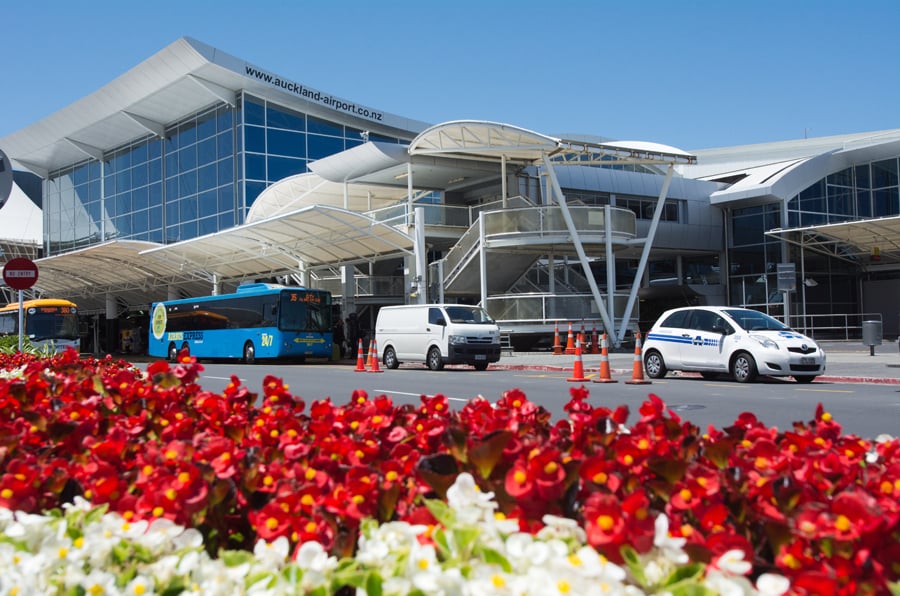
356 494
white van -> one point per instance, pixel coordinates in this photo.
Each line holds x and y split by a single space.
437 334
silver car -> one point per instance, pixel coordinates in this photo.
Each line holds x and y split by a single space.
716 340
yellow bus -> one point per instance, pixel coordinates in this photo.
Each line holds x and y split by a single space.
50 323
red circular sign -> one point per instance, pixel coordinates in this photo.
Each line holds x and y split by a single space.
20 274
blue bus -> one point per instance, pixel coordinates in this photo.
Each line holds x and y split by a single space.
259 320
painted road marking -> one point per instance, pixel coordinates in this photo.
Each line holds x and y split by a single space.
417 394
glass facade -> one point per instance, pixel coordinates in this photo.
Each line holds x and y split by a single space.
862 191
202 177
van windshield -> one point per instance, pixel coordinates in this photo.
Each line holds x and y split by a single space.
468 314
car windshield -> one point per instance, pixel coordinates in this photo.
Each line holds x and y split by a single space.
468 314
752 320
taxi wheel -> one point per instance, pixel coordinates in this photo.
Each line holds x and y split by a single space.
655 365
743 367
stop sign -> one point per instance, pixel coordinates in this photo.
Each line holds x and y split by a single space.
20 274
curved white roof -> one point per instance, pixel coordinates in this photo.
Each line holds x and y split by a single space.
181 79
492 140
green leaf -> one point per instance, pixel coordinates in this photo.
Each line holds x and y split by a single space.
634 564
441 512
494 557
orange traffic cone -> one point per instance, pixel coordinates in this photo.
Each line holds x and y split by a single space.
604 376
369 357
595 344
374 366
360 359
578 370
637 374
570 342
557 347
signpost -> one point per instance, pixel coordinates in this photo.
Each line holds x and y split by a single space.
20 274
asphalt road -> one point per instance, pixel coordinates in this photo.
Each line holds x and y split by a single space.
862 409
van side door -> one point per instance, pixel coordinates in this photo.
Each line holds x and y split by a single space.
435 330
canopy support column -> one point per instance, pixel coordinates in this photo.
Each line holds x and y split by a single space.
576 241
645 253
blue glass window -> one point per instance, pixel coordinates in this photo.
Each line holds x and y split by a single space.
206 126
884 173
254 112
256 166
156 218
320 146
224 120
139 222
225 145
279 117
187 184
187 158
207 177
283 142
155 170
139 175
140 198
226 198
206 151
225 170
207 225
282 167
255 139
317 125
208 203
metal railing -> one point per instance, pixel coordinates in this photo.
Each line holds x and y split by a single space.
832 326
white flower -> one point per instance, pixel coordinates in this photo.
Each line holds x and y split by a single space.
270 556
669 547
562 528
732 563
467 500
316 564
771 584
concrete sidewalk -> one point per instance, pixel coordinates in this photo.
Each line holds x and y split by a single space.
847 362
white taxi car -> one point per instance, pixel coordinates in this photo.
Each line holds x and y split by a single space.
715 340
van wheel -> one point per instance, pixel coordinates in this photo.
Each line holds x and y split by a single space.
249 353
655 365
480 365
435 362
390 358
804 378
173 352
743 367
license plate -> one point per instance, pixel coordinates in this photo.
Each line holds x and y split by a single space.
480 357
807 360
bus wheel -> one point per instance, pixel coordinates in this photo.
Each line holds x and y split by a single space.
249 353
173 353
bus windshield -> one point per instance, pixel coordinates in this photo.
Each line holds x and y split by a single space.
305 311
51 325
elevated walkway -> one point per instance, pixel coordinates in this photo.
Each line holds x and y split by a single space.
507 243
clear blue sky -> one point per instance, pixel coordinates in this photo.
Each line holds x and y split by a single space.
693 74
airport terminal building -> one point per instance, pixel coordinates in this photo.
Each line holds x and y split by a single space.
197 171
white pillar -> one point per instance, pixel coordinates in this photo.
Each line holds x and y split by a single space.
419 249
